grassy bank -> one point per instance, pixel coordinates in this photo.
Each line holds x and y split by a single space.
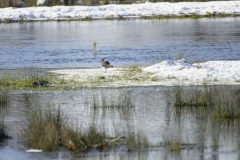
124 18
92 78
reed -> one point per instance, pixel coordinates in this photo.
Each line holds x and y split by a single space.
4 105
220 102
44 128
136 141
173 143
49 129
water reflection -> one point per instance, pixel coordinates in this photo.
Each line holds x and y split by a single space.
150 111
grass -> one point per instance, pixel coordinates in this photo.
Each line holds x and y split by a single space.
135 73
219 102
173 143
193 16
122 103
136 141
44 128
49 129
4 105
124 106
37 80
33 80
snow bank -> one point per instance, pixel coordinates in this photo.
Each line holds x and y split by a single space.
144 9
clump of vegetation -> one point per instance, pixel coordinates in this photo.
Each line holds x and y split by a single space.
122 102
28 80
136 141
173 143
193 15
87 18
220 102
134 73
49 129
194 97
44 128
4 105
122 18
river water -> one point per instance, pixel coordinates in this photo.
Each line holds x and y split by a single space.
51 45
130 42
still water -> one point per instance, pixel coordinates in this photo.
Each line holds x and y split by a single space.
130 42
152 114
50 45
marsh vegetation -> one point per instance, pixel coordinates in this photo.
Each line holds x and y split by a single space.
4 106
49 128
219 102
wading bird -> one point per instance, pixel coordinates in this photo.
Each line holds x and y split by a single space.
94 48
106 64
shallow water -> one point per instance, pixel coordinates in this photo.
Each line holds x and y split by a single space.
44 45
152 114
130 42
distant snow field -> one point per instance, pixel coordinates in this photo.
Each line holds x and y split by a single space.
131 10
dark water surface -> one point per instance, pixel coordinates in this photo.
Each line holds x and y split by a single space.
138 42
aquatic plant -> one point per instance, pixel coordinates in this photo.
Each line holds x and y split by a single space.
44 127
136 141
49 129
220 102
173 142
4 105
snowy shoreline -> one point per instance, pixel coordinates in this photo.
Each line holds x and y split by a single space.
166 73
116 11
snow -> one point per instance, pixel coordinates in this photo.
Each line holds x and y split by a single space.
169 73
132 10
227 72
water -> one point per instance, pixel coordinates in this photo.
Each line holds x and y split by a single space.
152 115
50 45
131 42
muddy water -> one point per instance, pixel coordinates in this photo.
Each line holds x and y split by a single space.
152 114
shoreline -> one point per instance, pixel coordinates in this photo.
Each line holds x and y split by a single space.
147 10
121 18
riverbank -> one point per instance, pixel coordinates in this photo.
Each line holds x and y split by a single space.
122 12
165 73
